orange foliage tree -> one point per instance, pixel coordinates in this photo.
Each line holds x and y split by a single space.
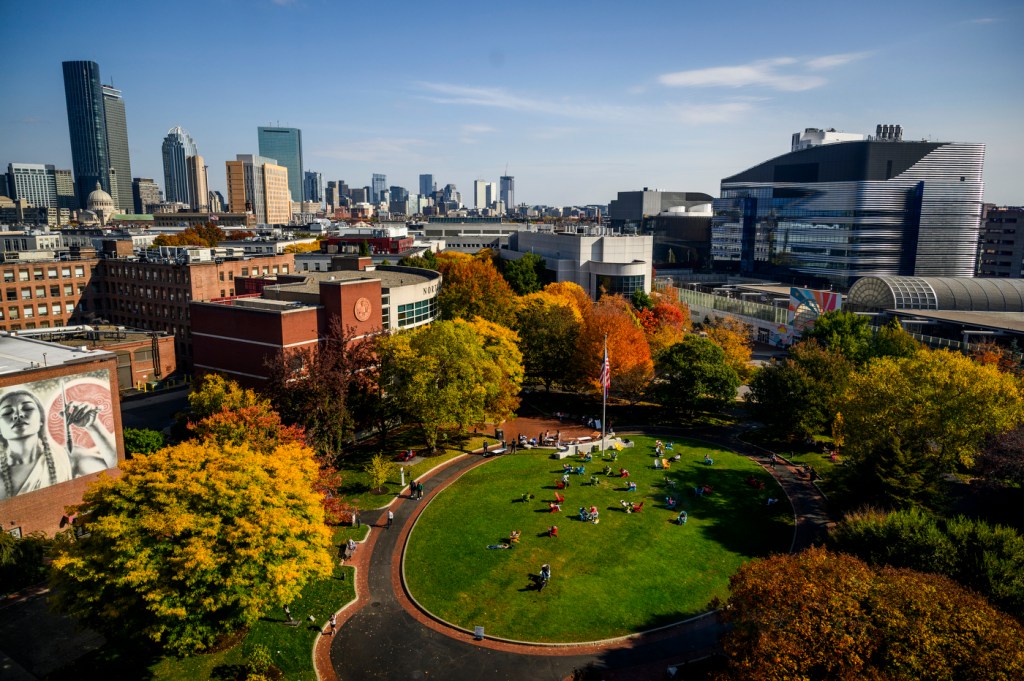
208 235
473 287
822 615
628 352
573 294
993 354
733 336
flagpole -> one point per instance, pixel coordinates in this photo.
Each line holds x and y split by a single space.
604 391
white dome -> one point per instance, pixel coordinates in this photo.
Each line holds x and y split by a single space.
99 199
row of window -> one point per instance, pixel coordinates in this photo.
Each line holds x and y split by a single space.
30 311
55 291
40 273
421 311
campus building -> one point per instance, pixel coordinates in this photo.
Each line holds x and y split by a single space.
1001 244
239 336
44 294
44 377
599 261
832 211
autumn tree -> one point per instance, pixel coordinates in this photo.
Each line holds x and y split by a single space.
991 353
573 294
733 336
379 470
214 393
987 558
912 421
525 274
821 615
628 353
445 377
501 345
694 374
473 287
193 542
207 235
893 341
548 329
313 386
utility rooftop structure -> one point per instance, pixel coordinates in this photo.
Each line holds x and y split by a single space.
833 212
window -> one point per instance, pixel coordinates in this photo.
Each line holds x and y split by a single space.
26 294
231 276
65 271
51 272
40 291
416 313
221 276
22 275
69 308
69 290
79 271
8 275
12 294
13 313
37 274
44 309
55 291
245 271
29 312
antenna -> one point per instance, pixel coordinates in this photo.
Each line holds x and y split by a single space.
506 168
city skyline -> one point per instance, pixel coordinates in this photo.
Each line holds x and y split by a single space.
578 102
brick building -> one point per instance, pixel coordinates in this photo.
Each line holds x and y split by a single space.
239 336
37 379
45 294
155 296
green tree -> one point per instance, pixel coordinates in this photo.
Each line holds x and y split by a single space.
364 248
380 470
142 440
892 341
525 274
641 300
194 541
844 331
914 420
820 615
427 261
444 377
693 374
548 333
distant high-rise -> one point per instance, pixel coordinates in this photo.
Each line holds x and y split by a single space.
426 185
378 187
33 182
508 191
198 186
65 189
480 193
145 193
217 202
359 194
259 185
396 194
285 145
313 187
178 146
117 148
87 126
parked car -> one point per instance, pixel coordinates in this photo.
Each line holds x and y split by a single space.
407 455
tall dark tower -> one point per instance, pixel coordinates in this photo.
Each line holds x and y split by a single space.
87 125
117 149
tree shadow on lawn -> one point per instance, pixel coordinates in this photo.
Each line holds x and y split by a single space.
740 520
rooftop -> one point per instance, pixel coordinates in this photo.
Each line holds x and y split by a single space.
19 354
389 278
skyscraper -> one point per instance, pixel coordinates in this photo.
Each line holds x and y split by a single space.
65 189
285 145
33 182
145 193
378 187
480 194
178 147
117 148
259 185
87 126
426 185
313 187
508 192
198 187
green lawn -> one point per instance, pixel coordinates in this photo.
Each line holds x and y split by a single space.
628 573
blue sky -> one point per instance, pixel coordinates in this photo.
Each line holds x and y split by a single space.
580 99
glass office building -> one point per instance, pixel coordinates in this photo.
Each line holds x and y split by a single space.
830 214
87 125
285 145
117 149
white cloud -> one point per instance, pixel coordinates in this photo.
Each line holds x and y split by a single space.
448 93
786 74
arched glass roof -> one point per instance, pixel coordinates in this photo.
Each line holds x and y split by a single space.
875 293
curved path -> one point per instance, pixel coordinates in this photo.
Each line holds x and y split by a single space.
384 636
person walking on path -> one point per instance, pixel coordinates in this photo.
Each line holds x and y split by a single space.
391 518
333 624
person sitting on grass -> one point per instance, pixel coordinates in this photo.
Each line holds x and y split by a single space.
631 487
607 470
708 460
772 500
594 480
526 497
627 506
553 507
657 463
513 536
553 531
681 518
670 502
623 473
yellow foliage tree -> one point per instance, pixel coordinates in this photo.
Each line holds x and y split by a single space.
733 336
573 294
193 542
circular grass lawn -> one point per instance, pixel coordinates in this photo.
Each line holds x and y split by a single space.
628 573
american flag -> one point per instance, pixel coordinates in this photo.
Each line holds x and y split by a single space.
606 372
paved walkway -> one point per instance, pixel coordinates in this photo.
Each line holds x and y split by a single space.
384 636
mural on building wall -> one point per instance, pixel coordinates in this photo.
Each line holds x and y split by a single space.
805 306
55 430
